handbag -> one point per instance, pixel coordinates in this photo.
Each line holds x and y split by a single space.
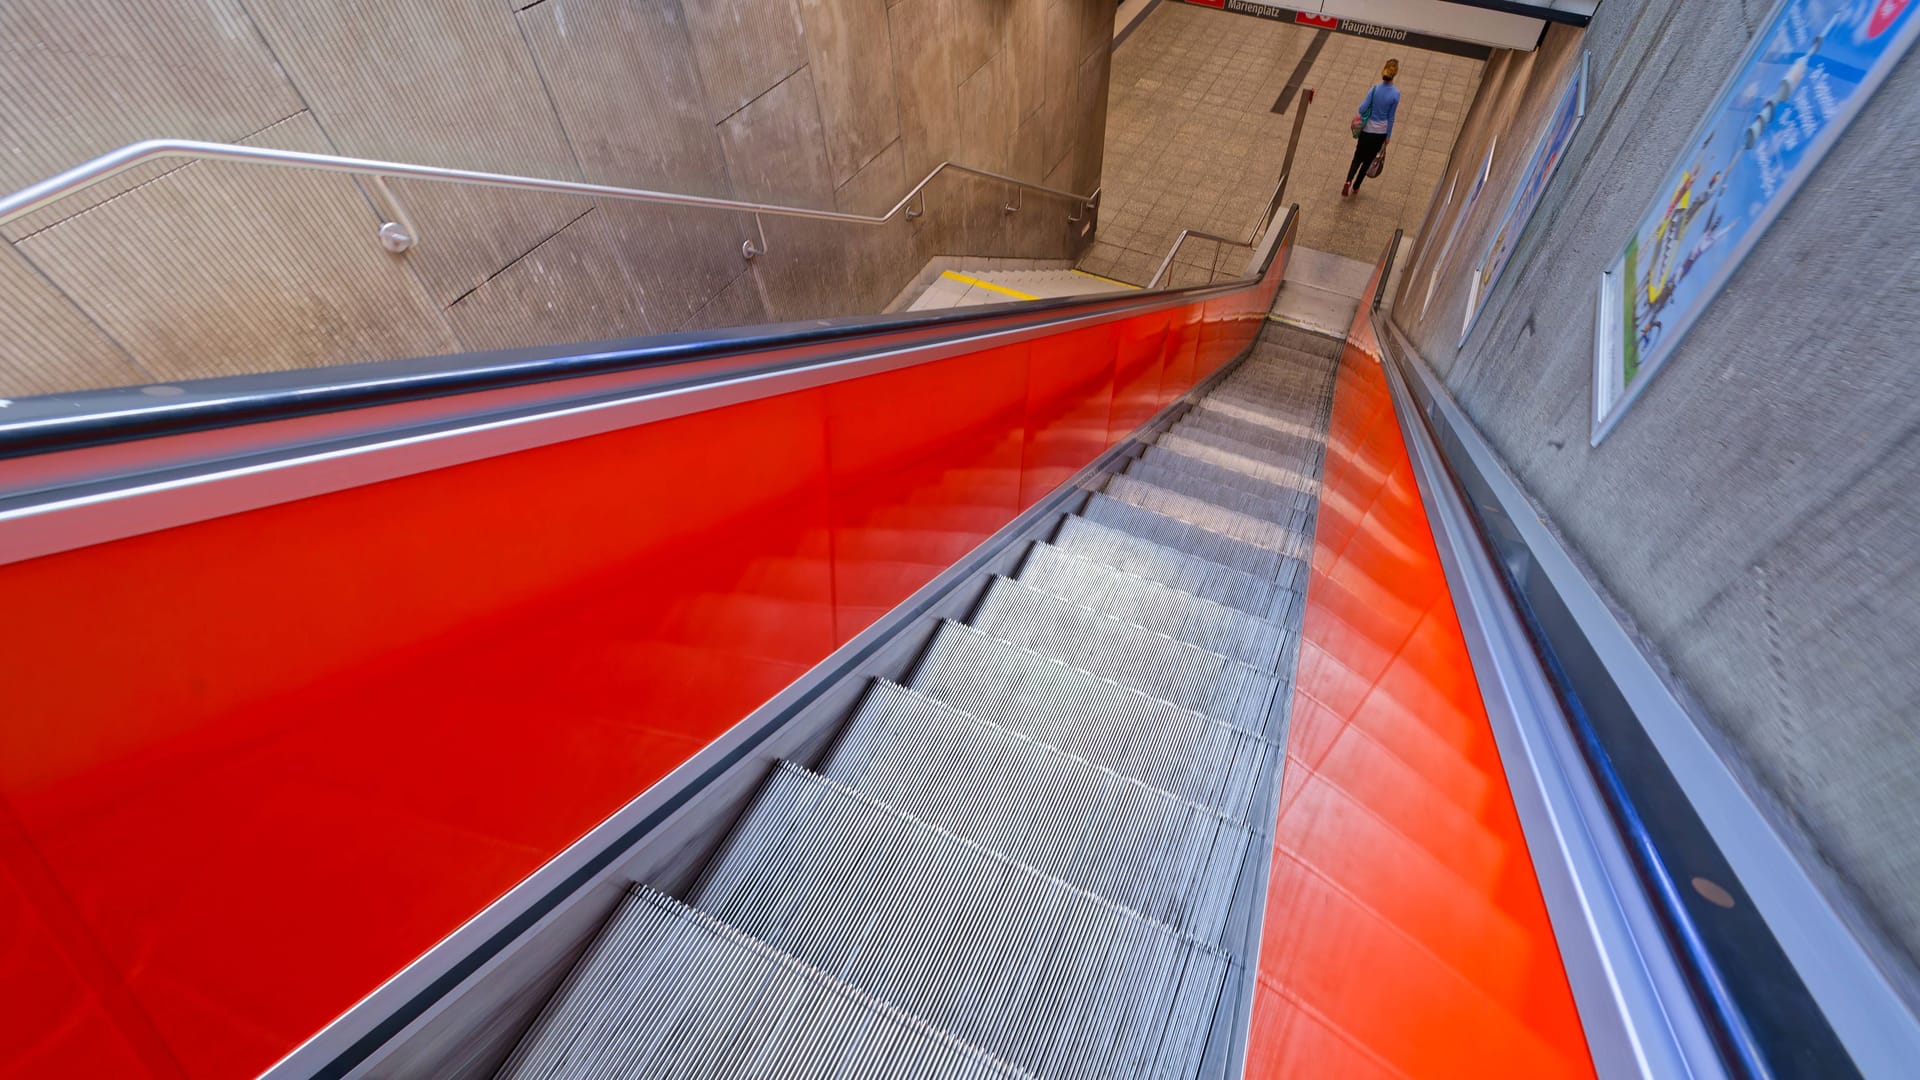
1365 114
1379 162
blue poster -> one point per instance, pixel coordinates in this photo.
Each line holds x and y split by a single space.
1561 126
1810 69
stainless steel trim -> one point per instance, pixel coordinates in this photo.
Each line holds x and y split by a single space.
36 196
1865 1010
1638 1014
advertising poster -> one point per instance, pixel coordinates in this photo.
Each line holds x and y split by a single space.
1561 126
1811 68
1453 231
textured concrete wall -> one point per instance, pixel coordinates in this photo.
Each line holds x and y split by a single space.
176 271
1755 512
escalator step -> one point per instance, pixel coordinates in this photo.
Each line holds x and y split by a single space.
1138 736
1190 677
666 990
1292 421
1168 469
1169 859
1287 515
1178 615
1175 569
1264 442
1276 465
1237 460
1229 518
1039 973
1193 540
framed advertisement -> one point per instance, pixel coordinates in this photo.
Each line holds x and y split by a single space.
1453 232
1562 124
1809 71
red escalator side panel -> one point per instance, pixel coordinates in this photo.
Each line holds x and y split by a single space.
258 764
1406 935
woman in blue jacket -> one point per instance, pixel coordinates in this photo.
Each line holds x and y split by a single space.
1376 126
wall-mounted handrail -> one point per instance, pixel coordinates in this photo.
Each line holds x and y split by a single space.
37 196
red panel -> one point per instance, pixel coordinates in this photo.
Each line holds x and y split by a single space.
1183 346
313 739
1405 931
1139 363
925 465
1069 406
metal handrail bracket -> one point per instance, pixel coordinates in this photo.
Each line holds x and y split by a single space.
38 196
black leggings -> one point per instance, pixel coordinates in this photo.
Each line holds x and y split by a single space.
1369 148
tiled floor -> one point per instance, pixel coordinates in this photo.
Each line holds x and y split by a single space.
1192 141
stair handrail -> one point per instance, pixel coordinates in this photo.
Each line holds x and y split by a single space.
399 233
1253 238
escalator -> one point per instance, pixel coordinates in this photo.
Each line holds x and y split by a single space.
1130 685
1021 861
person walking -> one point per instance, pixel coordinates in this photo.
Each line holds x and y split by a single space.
1375 126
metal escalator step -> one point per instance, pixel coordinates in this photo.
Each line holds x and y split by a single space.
1043 975
1287 517
1272 445
1194 540
1287 457
1225 518
1169 859
1117 727
1237 460
1175 569
1249 411
1190 677
1149 604
1172 468
667 990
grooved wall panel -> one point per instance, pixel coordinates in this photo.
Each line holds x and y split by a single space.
441 84
46 343
157 268
825 103
81 77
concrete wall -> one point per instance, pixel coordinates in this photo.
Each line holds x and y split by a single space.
1755 513
177 271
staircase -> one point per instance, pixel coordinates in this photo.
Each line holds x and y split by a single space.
1023 860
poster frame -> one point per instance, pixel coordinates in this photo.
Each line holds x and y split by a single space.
1478 285
1609 361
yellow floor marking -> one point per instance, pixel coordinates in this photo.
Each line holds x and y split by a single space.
1108 280
987 285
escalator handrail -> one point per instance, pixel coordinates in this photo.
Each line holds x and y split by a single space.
55 423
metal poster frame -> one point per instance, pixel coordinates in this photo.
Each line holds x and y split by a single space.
1542 166
1453 231
1613 393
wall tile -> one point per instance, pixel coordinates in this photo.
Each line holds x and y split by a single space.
986 105
623 81
847 43
979 34
573 287
776 150
443 84
82 77
922 59
1026 44
744 48
192 290
46 343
